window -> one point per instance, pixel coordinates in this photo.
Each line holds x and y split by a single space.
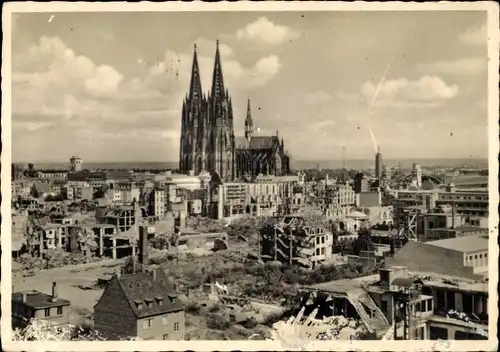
322 250
322 239
475 257
480 256
485 255
47 312
429 305
149 304
165 336
317 251
147 323
176 326
160 301
164 320
59 310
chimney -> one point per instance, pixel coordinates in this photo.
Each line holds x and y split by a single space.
143 247
54 291
453 215
24 296
154 274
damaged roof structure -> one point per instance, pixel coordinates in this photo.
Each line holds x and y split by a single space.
302 239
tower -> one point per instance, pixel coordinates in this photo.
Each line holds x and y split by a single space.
221 130
248 123
378 164
194 125
417 175
76 163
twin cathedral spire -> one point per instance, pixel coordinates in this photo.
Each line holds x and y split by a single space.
207 132
207 141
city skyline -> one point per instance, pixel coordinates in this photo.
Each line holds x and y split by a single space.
113 93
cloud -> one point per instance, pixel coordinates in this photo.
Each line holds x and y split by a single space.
264 31
475 35
469 66
52 86
428 91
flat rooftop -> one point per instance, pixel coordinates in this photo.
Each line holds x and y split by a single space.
462 244
39 300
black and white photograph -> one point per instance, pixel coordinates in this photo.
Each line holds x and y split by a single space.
268 176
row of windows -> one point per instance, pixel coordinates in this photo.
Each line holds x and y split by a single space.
320 239
476 256
320 251
59 311
148 323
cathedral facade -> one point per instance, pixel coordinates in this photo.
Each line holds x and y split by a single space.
208 143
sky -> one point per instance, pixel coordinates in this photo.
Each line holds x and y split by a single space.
109 86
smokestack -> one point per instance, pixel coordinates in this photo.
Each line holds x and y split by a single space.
24 297
154 274
143 247
54 291
453 215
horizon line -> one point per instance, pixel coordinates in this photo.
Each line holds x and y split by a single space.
298 160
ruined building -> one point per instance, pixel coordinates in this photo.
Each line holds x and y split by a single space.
296 239
207 141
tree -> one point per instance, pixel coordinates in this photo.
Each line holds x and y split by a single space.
363 242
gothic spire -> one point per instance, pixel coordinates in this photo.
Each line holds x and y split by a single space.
195 91
248 123
217 79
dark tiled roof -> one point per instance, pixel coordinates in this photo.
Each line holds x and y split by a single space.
39 300
118 174
85 175
141 286
240 142
264 142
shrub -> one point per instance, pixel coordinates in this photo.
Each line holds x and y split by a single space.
218 322
193 309
250 323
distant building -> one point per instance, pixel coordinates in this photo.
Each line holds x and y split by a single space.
340 201
264 196
17 171
142 304
41 190
157 202
466 257
378 164
76 163
52 175
417 175
361 183
20 188
123 193
369 199
303 240
33 304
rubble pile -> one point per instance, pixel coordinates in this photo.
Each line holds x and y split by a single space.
329 328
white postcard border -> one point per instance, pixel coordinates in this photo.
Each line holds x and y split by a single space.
492 10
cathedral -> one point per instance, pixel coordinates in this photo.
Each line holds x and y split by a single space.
208 143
